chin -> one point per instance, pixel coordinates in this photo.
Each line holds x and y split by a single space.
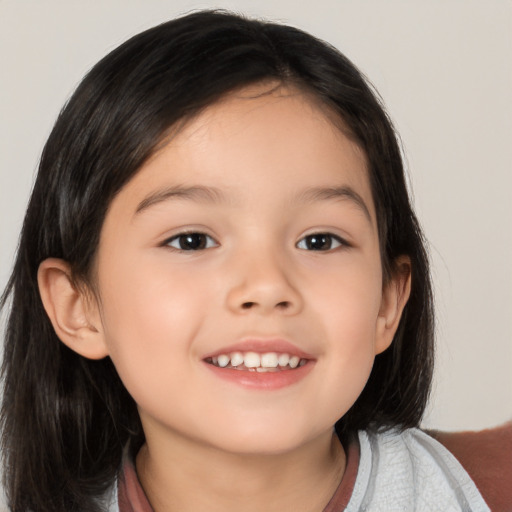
260 446
265 438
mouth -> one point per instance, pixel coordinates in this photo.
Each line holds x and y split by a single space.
267 362
261 364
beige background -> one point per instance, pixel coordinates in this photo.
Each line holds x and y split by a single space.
444 69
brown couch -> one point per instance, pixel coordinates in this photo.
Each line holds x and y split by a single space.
487 457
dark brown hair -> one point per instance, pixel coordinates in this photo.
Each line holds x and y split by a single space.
66 419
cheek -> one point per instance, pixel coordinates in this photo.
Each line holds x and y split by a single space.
150 317
349 302
349 310
146 295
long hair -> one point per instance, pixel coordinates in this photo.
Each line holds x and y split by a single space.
65 419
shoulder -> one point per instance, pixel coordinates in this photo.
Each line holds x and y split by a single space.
487 456
408 471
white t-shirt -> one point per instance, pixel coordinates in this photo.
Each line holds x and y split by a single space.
411 472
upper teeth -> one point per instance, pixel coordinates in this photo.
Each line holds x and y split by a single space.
255 360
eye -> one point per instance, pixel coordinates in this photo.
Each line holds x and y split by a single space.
191 242
320 242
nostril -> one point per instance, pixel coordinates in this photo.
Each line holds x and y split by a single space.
280 305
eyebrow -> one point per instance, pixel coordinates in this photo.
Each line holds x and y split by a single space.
214 195
333 193
197 193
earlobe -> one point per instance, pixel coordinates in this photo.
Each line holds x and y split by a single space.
394 298
74 317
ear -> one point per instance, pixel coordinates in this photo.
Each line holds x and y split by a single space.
74 313
395 295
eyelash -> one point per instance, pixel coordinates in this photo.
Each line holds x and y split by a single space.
198 241
323 238
205 242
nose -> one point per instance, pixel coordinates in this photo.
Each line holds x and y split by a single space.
262 284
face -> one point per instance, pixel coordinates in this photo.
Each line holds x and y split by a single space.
239 277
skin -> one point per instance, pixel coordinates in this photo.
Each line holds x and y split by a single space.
160 310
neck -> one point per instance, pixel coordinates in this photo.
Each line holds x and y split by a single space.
177 478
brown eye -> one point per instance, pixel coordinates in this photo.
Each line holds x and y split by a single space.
191 242
320 242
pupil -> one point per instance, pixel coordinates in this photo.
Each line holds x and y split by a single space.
192 241
319 242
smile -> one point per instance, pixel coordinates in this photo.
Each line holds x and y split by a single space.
255 362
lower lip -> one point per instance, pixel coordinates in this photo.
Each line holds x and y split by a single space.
266 381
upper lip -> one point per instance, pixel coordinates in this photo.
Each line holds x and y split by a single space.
262 346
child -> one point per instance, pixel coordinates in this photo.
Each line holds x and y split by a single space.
221 299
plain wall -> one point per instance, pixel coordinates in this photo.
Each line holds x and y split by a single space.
444 70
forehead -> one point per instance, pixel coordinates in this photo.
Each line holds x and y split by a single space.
262 138
275 104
